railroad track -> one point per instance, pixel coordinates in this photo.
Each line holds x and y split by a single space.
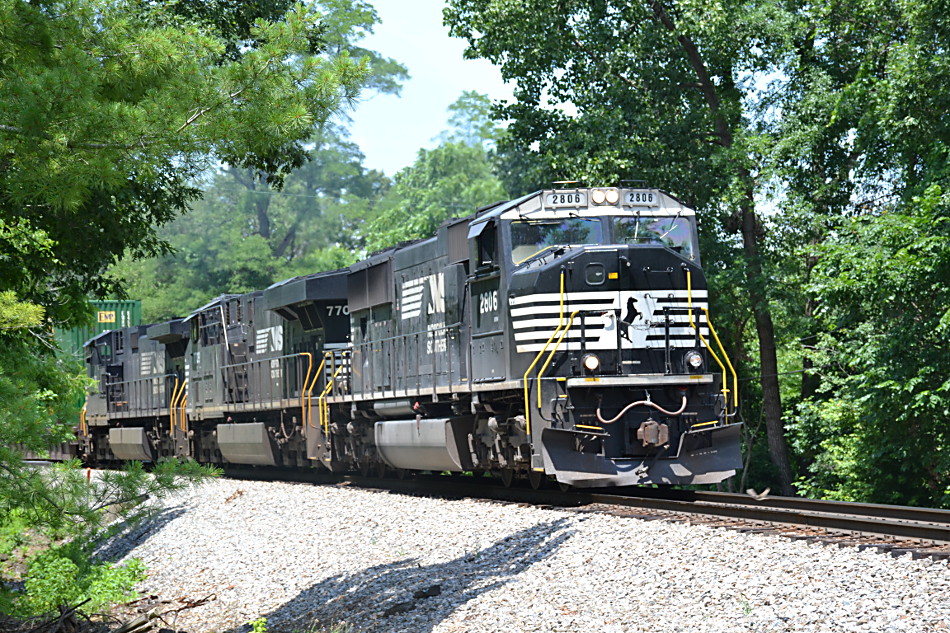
922 532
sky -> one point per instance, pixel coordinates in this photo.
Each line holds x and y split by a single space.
390 129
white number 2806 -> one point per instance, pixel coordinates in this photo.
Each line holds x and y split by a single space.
488 302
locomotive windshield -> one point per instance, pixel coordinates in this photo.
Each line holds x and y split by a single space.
675 233
531 237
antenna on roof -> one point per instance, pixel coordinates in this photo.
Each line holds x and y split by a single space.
555 184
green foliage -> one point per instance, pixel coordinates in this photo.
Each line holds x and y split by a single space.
59 505
605 91
254 226
862 145
244 235
882 424
64 575
13 527
38 394
259 625
471 123
449 181
38 403
452 180
110 111
15 315
111 108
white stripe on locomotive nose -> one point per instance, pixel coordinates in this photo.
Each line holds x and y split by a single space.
556 296
548 325
605 295
534 311
544 335
573 346
677 310
534 318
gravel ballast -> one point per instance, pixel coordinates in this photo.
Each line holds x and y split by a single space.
336 556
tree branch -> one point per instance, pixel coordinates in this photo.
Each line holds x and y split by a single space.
705 85
599 59
203 111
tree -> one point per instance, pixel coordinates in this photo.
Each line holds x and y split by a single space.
108 111
244 235
471 123
863 148
879 426
658 91
449 181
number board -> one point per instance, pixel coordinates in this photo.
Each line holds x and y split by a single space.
640 198
566 199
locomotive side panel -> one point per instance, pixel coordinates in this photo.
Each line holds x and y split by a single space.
314 312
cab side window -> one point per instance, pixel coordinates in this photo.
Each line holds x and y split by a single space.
488 247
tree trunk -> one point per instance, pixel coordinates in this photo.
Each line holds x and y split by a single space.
250 180
262 206
765 329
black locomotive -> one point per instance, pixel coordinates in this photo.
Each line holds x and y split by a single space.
561 335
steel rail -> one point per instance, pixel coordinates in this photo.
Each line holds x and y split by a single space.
922 524
903 522
877 510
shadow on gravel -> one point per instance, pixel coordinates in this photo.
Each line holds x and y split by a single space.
119 546
407 596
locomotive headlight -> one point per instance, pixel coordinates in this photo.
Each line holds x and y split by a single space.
694 359
613 196
591 362
598 196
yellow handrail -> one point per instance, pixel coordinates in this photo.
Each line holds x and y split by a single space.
172 405
309 389
323 407
544 367
527 403
83 429
303 391
735 378
695 326
183 419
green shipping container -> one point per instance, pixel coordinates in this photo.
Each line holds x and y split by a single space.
106 315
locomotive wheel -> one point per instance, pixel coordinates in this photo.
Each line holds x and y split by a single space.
563 486
381 469
366 467
507 476
536 479
401 473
